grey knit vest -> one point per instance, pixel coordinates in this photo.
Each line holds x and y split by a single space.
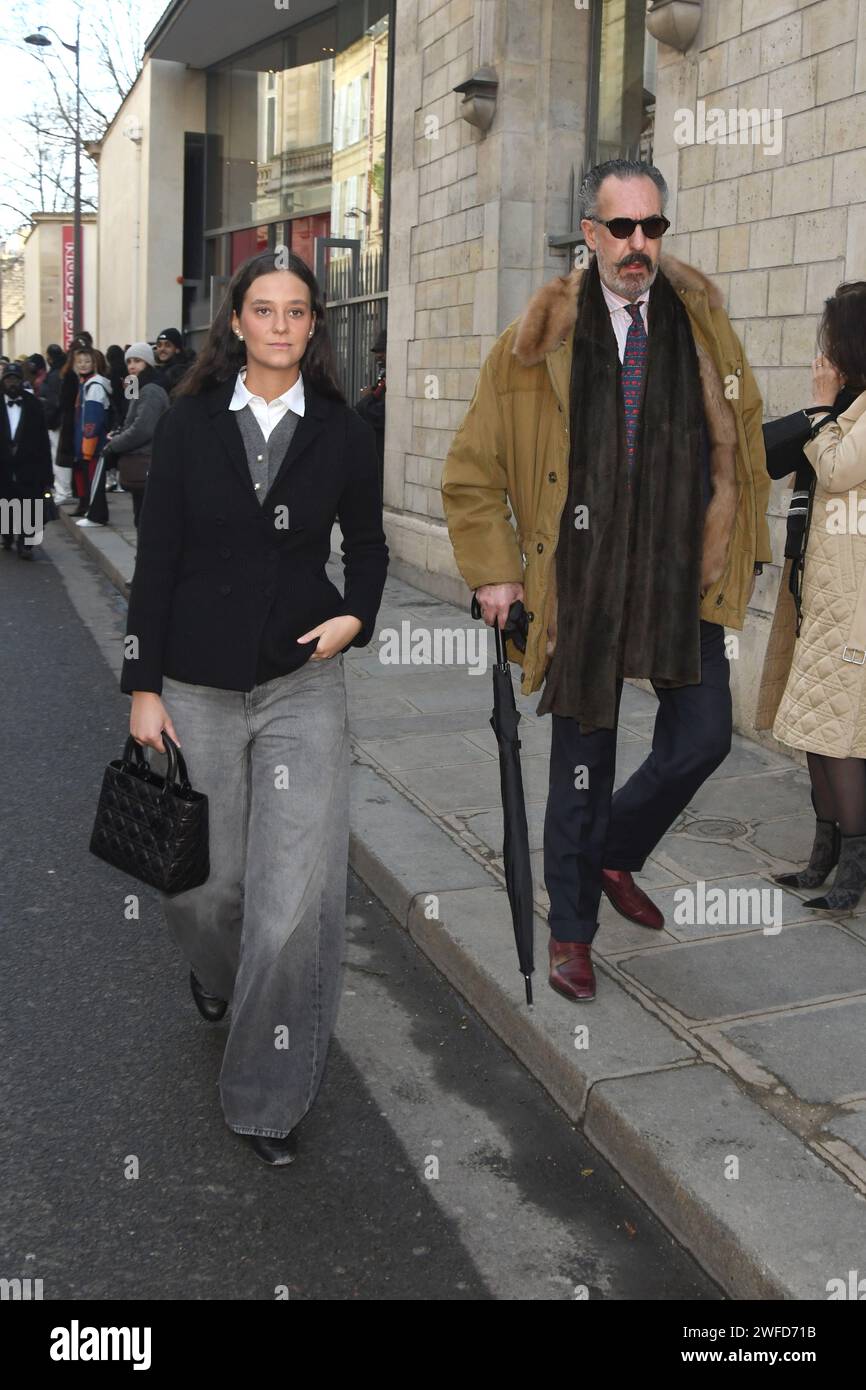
264 456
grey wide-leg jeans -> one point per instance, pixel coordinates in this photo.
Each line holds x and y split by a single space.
267 928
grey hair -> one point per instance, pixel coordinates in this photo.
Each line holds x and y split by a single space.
620 169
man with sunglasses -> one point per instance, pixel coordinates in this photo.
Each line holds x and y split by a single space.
618 420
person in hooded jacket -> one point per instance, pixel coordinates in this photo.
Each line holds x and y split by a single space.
91 427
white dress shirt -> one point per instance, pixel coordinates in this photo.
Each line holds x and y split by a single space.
621 320
13 410
268 413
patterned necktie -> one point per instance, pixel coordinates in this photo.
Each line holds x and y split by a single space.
633 371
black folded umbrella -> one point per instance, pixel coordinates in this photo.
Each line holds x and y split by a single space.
515 849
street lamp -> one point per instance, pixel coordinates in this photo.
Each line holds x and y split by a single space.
40 41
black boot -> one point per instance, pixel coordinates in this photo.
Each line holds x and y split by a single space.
825 854
210 1006
850 880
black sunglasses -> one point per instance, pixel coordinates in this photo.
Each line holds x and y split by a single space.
623 227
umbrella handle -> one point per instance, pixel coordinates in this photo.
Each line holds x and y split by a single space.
500 646
501 657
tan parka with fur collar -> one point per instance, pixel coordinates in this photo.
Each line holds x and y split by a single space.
505 479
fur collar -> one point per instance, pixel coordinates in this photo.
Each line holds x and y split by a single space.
551 312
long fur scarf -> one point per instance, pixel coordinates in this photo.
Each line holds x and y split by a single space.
629 567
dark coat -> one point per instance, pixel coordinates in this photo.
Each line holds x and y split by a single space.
25 464
174 371
219 578
50 398
68 397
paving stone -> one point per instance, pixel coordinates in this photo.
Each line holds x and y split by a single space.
359 700
635 701
696 858
787 840
437 690
398 850
771 796
851 1128
474 787
753 972
819 1054
781 1229
750 758
374 725
425 750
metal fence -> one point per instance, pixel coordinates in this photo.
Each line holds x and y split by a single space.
356 302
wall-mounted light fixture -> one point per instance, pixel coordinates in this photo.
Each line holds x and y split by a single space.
674 22
479 97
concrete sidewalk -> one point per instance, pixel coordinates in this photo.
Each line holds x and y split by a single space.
722 1068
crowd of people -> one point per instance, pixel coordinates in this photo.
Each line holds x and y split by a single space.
79 424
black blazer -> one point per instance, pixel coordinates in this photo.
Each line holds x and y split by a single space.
25 466
223 584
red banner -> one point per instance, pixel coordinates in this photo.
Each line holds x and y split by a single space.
67 283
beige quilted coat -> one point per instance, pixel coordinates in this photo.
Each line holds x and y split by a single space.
823 709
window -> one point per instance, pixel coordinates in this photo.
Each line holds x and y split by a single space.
622 91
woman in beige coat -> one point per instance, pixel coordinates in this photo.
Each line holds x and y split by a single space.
823 709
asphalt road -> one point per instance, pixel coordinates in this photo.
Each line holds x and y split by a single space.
432 1166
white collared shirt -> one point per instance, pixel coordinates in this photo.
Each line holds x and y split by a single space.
268 413
620 321
13 410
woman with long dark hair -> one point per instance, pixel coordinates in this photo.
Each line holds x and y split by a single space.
235 624
823 709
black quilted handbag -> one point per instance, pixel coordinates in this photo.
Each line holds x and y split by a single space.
155 828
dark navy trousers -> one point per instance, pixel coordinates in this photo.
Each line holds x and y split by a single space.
587 828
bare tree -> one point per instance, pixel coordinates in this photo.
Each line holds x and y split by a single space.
38 168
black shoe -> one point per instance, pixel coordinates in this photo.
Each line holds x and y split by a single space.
277 1152
79 510
210 1006
25 553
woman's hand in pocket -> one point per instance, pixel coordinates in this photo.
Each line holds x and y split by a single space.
147 720
333 635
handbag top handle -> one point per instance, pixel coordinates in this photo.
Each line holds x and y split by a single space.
134 751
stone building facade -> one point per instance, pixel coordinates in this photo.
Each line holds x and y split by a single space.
778 222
